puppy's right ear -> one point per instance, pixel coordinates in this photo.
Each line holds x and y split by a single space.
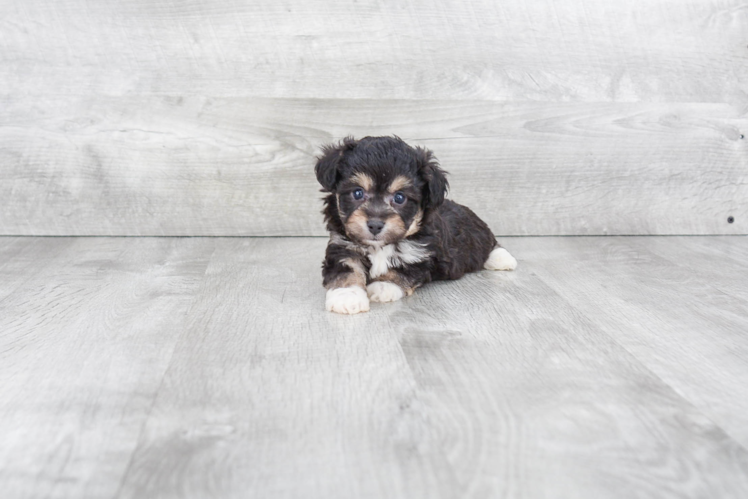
327 168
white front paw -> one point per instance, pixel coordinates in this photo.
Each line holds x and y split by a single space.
384 291
350 300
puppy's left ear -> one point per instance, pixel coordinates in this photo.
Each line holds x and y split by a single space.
327 167
435 178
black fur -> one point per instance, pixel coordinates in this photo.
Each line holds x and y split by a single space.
456 240
460 239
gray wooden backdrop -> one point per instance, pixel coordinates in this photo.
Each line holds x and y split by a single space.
202 117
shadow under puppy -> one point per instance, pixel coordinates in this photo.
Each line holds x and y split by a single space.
391 230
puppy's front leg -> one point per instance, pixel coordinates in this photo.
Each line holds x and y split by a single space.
344 276
394 285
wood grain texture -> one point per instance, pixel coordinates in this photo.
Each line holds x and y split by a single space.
85 341
196 367
489 386
23 258
202 118
657 51
679 305
244 166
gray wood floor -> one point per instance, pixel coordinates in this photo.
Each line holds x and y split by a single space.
603 366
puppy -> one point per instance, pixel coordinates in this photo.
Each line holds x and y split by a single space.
391 230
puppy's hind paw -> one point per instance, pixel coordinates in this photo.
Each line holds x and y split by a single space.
349 300
384 291
500 260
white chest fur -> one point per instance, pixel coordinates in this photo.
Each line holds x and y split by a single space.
381 260
395 255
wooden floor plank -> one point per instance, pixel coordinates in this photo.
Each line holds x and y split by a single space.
490 386
572 413
270 395
718 261
166 367
677 304
83 349
22 258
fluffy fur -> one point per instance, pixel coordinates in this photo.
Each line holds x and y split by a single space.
391 228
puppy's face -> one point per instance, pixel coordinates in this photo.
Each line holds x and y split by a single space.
382 187
379 211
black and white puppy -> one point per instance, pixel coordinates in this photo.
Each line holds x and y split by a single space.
391 230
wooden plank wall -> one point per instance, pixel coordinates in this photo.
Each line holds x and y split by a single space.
155 117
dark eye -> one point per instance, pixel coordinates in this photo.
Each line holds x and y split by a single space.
358 194
399 198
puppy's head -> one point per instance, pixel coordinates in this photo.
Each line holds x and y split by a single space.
382 188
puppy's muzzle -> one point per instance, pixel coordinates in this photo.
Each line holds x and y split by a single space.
375 226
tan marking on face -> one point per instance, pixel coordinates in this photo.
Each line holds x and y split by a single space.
357 276
400 182
357 229
416 224
393 276
363 180
355 226
394 229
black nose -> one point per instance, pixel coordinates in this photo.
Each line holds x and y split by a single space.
375 226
